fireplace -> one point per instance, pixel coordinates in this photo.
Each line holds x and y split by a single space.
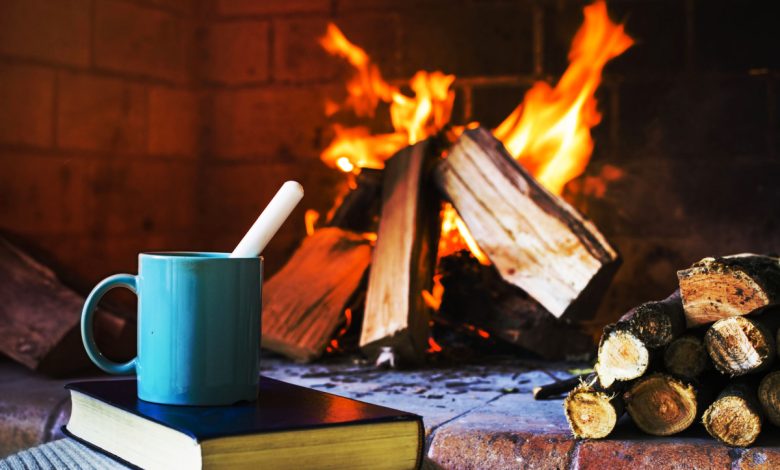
138 126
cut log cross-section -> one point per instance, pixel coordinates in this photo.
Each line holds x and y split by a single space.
534 238
404 257
716 288
626 346
744 345
735 417
303 303
592 411
769 396
661 405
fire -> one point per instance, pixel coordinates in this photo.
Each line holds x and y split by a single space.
549 132
414 118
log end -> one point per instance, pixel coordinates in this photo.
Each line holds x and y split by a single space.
739 346
661 405
732 421
622 356
591 414
686 357
769 396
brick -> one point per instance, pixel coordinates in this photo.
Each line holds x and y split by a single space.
97 113
180 6
473 39
142 40
128 196
298 56
652 452
759 458
42 194
253 7
237 52
26 105
173 121
285 123
40 29
514 431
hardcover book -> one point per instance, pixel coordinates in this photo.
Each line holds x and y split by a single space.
287 427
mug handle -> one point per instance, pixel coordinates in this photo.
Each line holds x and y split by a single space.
87 324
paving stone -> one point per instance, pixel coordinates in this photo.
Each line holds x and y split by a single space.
509 432
766 454
642 451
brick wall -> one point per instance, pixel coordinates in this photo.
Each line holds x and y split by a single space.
129 125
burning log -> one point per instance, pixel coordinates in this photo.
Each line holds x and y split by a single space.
592 410
686 357
304 302
534 238
661 405
743 345
625 347
716 288
404 257
769 396
734 418
359 210
476 295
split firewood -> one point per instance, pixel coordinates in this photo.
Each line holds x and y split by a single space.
592 410
358 211
478 296
744 345
39 318
661 405
735 417
304 302
769 396
404 258
686 357
716 288
534 238
625 347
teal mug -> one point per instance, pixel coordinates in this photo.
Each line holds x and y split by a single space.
198 327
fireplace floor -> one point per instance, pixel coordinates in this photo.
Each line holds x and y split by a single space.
476 416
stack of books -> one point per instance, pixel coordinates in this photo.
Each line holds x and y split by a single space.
287 427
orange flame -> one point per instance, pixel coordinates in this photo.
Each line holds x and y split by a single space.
310 219
414 118
549 132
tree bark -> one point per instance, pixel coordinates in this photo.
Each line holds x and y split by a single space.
534 238
716 288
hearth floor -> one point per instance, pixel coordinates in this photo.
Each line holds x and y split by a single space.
476 416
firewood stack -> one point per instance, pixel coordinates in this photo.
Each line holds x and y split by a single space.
708 353
544 254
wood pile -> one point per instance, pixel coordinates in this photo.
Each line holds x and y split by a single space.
708 353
